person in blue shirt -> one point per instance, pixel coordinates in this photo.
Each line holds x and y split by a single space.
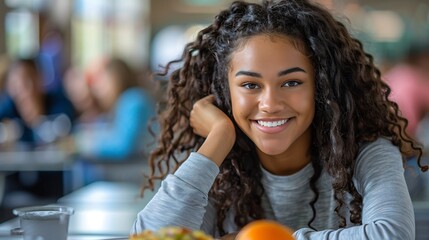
34 118
123 132
28 105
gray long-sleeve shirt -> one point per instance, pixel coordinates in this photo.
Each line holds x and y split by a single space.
387 213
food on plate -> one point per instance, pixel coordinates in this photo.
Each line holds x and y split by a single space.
171 233
265 229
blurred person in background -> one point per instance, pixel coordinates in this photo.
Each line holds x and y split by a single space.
77 89
4 65
30 107
128 109
33 119
409 82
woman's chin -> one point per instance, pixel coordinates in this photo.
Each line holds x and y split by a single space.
272 151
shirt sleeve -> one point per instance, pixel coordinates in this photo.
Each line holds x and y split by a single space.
182 199
387 208
7 108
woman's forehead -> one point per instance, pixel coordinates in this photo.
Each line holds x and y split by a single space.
295 41
260 50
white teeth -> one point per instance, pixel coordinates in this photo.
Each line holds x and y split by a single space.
272 123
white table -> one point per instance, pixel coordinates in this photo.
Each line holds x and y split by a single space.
102 210
105 208
35 160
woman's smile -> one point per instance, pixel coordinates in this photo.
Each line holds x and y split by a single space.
271 126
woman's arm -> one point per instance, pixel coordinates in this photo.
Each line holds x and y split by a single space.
182 199
210 122
387 211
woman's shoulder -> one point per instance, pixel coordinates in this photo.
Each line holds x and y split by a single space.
378 155
380 143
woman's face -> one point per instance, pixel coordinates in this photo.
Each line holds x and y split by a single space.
272 94
22 84
106 89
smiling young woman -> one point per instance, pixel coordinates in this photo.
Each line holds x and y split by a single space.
278 113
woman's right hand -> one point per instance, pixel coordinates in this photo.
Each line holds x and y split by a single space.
210 122
206 117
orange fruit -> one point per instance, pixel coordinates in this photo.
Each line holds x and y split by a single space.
265 230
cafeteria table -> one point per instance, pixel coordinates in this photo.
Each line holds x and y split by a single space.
107 210
47 158
35 160
103 210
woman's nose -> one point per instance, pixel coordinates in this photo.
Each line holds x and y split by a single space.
270 102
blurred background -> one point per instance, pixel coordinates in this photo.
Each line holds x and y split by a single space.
67 67
138 29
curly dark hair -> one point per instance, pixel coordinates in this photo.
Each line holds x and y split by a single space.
352 105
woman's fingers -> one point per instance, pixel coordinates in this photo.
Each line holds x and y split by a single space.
205 115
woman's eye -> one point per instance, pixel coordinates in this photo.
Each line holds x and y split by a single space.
250 86
291 83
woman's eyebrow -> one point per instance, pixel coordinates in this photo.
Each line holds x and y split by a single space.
281 73
291 70
248 73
